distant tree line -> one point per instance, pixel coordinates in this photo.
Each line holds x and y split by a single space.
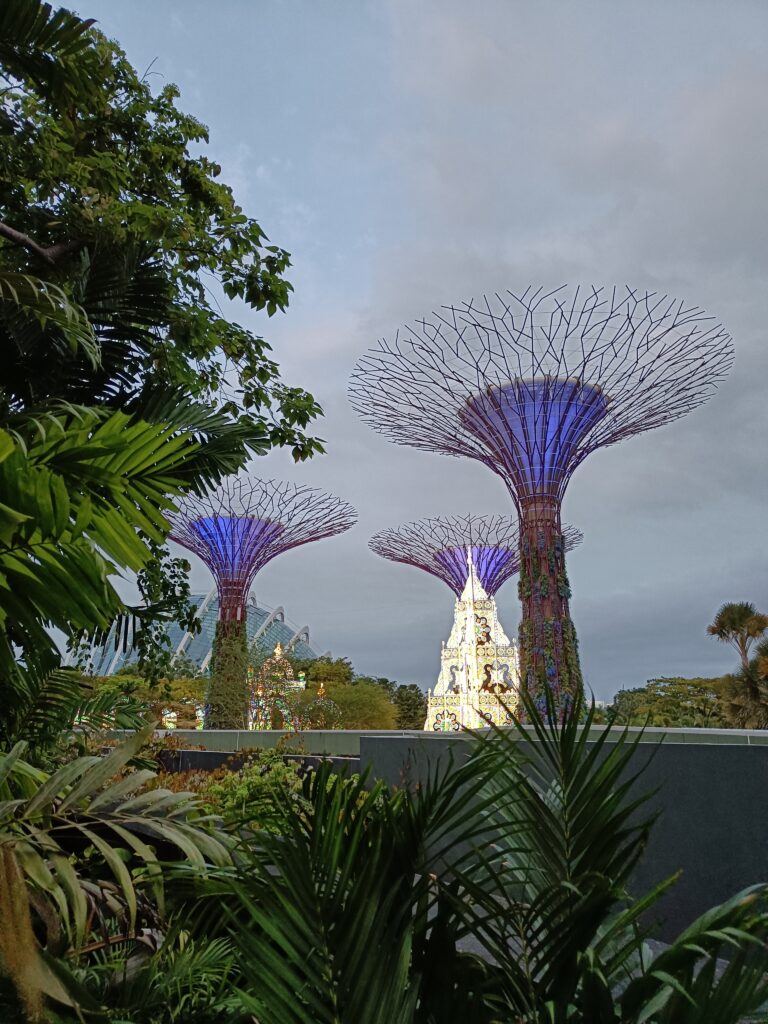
366 702
738 700
363 702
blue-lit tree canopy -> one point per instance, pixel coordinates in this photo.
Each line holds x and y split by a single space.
246 523
533 429
441 546
236 530
530 383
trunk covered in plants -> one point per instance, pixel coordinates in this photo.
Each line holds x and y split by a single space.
548 646
227 700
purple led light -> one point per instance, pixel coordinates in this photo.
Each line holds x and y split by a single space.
243 525
534 427
493 565
234 541
439 546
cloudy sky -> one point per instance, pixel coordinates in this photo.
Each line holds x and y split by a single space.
410 154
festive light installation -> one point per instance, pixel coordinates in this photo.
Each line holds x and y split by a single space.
236 531
440 546
530 384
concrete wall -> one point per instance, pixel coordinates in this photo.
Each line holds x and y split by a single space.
712 801
344 742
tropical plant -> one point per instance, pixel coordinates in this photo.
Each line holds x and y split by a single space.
253 792
48 48
140 982
104 199
739 624
411 703
82 849
746 696
363 706
83 492
362 908
674 702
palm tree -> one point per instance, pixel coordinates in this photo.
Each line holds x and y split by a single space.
362 908
747 694
739 624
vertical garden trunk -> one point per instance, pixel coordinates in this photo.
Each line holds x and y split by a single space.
548 646
227 699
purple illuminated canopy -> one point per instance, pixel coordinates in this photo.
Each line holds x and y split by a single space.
531 383
534 427
246 523
234 542
440 546
493 565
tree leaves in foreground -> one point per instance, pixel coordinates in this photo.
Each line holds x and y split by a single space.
83 490
108 195
364 906
81 851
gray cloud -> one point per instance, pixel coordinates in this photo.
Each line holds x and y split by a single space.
415 154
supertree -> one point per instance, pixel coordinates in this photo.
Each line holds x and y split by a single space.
439 546
530 384
236 530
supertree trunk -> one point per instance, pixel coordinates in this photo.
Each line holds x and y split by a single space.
227 699
548 646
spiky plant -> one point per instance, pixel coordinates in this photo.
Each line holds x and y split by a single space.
739 624
499 889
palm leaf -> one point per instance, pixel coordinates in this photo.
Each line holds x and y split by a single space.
24 298
48 48
80 807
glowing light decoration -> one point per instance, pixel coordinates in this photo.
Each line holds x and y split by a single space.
440 545
530 384
233 547
246 523
533 428
236 531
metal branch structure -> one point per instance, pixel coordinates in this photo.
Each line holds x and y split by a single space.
236 530
529 384
440 546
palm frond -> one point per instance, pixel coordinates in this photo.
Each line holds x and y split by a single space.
88 805
48 48
685 985
63 704
25 299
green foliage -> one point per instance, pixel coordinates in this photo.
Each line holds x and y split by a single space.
675 703
746 700
364 706
255 791
411 704
109 195
182 696
388 685
164 588
379 703
48 48
746 694
83 492
359 909
82 843
227 695
735 701
325 670
739 624
183 980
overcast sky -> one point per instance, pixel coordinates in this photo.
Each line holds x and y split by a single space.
410 154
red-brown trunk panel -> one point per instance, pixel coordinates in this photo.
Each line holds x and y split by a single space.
548 646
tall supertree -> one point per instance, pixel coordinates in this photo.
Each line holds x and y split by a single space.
440 546
530 384
236 530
